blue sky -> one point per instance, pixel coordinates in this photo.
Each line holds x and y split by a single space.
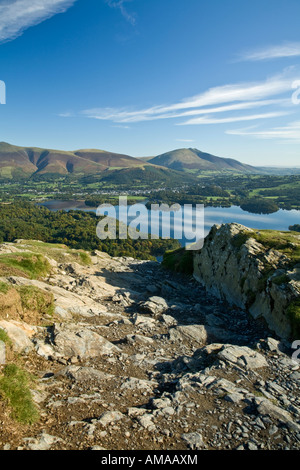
143 77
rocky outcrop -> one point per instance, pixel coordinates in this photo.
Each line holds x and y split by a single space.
135 357
235 264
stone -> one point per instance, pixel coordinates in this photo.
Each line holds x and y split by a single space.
252 446
142 321
132 383
62 313
273 345
267 408
2 353
193 440
167 411
84 374
295 376
138 339
242 356
168 320
234 397
72 341
20 335
155 305
146 422
110 417
43 442
43 349
134 412
159 403
195 333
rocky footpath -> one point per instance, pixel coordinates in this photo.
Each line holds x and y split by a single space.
256 270
136 357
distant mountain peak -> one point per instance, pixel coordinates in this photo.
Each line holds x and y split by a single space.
195 159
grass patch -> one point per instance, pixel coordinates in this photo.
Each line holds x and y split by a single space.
59 252
32 265
44 246
34 299
85 258
4 337
180 261
14 388
240 239
4 288
280 280
287 243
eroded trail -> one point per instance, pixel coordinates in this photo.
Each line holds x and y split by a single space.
142 358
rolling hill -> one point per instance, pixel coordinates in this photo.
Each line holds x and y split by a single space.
86 166
17 162
194 159
21 163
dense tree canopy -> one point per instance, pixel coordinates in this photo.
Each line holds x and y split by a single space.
76 229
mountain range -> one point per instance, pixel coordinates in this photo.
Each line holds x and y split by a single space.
32 162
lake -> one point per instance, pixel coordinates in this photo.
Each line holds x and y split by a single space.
280 220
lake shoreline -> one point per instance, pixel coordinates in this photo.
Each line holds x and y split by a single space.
280 220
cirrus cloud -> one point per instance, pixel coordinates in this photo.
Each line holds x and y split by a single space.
287 133
120 5
274 93
285 50
18 15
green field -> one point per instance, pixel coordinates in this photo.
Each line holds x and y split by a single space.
209 188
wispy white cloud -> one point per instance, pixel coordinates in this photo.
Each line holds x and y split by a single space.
274 92
120 5
121 127
18 15
188 141
288 49
251 117
67 114
288 133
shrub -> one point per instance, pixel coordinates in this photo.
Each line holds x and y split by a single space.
180 261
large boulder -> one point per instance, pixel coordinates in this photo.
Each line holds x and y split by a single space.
242 356
154 306
194 333
73 341
20 335
236 264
